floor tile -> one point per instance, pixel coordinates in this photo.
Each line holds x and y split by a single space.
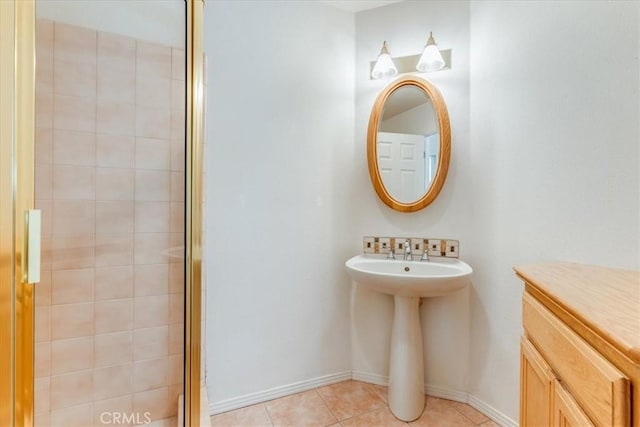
350 398
441 413
378 418
381 391
251 416
469 412
302 409
489 424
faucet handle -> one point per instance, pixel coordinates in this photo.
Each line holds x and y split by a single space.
391 255
425 255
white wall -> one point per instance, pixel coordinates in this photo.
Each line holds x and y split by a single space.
280 154
445 320
554 149
420 120
158 21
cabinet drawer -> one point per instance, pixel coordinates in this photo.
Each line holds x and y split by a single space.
598 386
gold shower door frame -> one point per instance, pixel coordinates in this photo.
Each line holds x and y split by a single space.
17 165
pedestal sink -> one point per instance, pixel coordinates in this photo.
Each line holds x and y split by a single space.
408 281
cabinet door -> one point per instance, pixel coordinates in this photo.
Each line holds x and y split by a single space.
536 387
566 412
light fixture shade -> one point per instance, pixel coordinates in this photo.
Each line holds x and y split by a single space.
384 67
431 58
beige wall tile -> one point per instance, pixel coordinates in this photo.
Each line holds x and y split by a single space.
115 151
112 381
178 64
108 412
71 355
150 343
74 113
73 43
72 286
152 60
178 100
113 282
42 292
42 359
116 118
114 184
177 187
153 185
71 389
46 252
177 125
176 308
43 145
177 155
176 369
43 181
151 279
154 92
156 402
153 122
42 324
113 315
73 216
75 416
71 320
74 148
150 374
176 278
72 251
42 394
44 110
150 311
153 154
152 217
44 71
176 339
114 217
116 68
74 182
45 215
150 248
42 419
113 349
74 78
114 249
44 39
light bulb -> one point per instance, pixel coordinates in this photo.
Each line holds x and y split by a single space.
431 58
384 67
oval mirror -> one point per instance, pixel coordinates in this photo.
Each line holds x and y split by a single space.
409 144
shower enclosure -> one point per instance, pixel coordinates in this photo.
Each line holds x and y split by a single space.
104 140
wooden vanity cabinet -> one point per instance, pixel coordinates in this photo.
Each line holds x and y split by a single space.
580 352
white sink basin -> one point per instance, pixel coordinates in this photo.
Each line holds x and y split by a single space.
408 281
433 278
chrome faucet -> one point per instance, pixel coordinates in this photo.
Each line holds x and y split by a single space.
391 254
425 255
407 250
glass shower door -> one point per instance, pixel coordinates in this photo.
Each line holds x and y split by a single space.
110 182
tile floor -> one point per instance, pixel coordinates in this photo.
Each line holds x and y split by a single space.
347 404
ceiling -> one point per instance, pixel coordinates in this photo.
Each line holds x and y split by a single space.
358 5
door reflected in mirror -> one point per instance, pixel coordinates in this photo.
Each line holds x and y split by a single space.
409 144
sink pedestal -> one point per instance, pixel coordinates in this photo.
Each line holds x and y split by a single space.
406 371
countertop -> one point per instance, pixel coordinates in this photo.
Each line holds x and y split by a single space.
606 300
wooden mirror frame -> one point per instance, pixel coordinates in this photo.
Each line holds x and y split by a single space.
444 155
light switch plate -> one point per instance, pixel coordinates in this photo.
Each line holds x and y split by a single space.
384 243
434 247
368 245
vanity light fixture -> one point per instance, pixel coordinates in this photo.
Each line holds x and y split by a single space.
431 58
384 67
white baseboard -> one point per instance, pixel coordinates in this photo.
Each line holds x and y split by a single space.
276 392
431 390
491 412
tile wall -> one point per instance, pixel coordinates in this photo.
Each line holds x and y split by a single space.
110 183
